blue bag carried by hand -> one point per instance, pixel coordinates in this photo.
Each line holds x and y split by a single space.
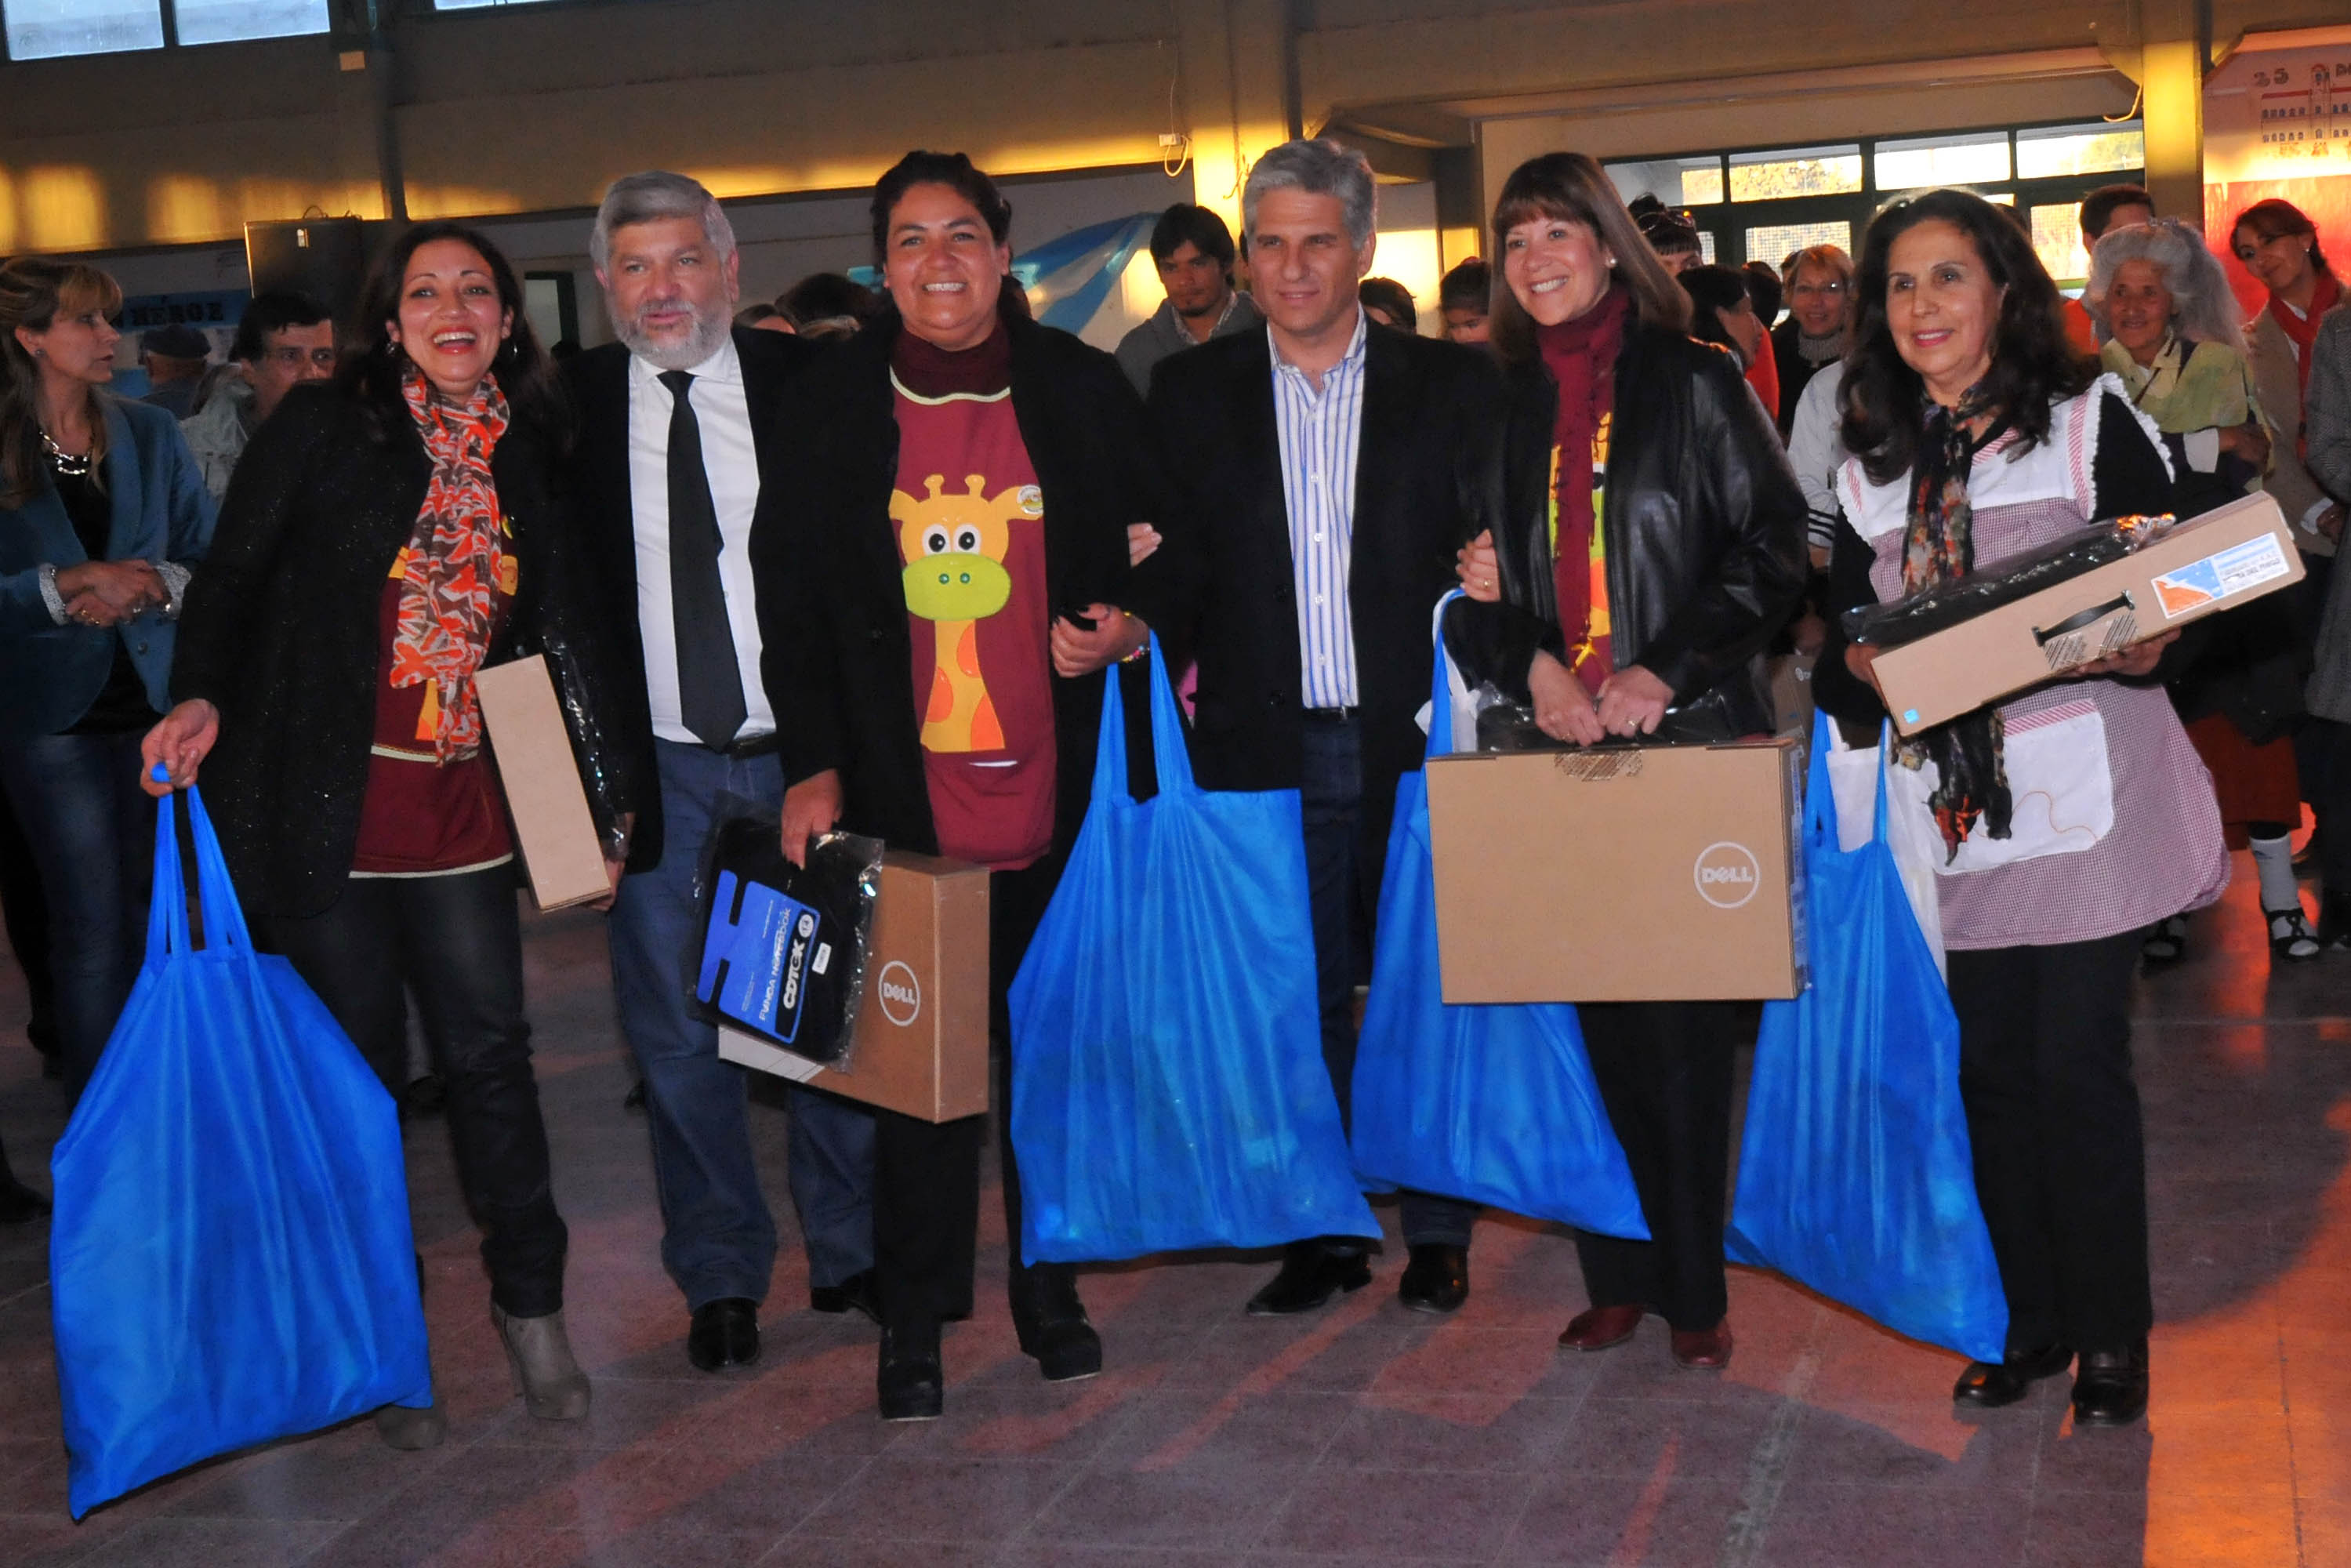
1168 1085
1855 1176
230 1258
1490 1102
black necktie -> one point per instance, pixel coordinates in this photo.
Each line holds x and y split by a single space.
709 677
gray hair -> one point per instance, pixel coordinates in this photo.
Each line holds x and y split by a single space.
2203 310
1319 168
654 195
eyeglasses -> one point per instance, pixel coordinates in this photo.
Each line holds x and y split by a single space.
1831 289
290 358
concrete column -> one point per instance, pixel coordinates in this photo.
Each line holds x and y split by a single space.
1233 91
2172 81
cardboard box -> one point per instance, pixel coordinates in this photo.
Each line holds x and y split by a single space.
561 847
922 1029
2229 555
1651 874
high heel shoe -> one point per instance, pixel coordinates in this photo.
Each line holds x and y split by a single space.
552 1386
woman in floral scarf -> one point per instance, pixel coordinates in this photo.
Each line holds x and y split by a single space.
385 537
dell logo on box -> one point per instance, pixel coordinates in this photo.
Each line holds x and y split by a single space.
1726 874
901 994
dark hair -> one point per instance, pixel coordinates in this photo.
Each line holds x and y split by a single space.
757 311
1199 227
35 290
1670 232
273 311
825 296
371 374
1388 295
1764 288
1713 288
1470 285
2099 206
2276 217
1642 205
1570 186
954 169
2032 366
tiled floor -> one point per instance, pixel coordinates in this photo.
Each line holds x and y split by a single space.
1364 1434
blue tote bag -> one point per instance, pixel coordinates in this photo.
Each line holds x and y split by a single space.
1166 1047
1494 1102
230 1258
1855 1176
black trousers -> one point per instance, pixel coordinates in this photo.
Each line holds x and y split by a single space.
457 940
1663 1070
2053 1117
24 909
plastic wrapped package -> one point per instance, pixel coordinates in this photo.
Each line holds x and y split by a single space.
1902 621
784 947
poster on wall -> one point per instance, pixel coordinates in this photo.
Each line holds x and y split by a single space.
2277 124
214 313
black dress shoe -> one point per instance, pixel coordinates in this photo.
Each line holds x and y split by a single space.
911 1385
1991 1385
1311 1273
1052 1323
854 1294
2111 1388
2335 919
1437 1279
726 1332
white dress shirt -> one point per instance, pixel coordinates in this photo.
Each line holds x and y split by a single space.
732 463
1319 432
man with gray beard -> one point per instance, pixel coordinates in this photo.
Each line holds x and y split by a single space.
677 466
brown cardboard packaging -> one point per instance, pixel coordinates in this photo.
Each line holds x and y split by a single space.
920 1046
1655 873
2228 557
560 848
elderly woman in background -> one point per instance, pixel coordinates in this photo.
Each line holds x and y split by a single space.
1654 542
103 514
1980 434
2176 349
1818 329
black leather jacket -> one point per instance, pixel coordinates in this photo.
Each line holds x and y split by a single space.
1705 533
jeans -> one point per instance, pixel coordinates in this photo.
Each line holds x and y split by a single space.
2053 1120
1342 884
457 942
92 831
718 1238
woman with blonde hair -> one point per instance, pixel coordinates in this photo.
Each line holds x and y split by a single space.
103 514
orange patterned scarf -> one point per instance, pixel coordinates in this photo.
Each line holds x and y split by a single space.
454 560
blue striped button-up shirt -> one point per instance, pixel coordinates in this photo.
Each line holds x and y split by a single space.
1318 437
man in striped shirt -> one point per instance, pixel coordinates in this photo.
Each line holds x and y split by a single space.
1324 475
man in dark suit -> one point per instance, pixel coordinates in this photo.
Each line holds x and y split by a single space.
1325 469
676 468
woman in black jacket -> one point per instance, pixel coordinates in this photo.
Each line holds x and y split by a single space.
383 539
1654 543
942 614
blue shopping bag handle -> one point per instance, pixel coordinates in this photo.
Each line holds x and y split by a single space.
167 909
1819 800
1440 693
1171 755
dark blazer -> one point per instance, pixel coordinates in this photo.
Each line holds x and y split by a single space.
839 654
161 512
282 633
1705 529
596 484
1426 480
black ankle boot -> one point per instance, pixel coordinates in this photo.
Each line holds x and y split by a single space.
912 1385
1052 1323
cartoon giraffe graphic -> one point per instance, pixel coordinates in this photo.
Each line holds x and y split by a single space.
955 547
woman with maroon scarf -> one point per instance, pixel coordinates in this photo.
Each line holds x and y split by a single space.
1655 544
385 537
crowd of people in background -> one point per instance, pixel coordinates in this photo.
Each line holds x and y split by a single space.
1650 474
